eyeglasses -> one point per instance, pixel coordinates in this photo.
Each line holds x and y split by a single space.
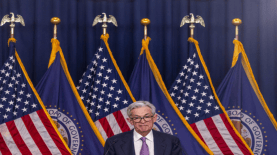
138 118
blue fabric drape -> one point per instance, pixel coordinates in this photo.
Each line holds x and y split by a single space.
169 44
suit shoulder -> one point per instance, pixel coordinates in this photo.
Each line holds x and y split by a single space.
120 136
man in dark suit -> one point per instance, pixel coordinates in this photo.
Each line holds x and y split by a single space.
142 140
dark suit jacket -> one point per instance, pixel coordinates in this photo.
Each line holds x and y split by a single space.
123 144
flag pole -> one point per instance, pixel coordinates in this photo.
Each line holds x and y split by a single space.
236 22
191 21
12 20
104 20
55 21
145 22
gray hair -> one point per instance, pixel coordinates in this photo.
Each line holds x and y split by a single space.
139 104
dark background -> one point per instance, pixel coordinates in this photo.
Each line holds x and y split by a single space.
169 46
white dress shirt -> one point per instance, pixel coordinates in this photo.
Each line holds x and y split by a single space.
149 142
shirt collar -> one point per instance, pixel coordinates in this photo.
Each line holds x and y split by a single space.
137 136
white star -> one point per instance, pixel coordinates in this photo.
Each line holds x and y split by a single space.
84 90
115 105
193 97
95 89
211 97
186 94
201 77
181 108
189 59
7 74
102 67
14 113
206 87
194 73
201 100
179 97
106 77
99 74
114 80
184 101
110 95
182 74
175 88
196 66
181 90
97 56
16 82
97 81
4 98
198 108
89 76
18 75
187 118
178 81
104 84
111 88
34 105
216 108
1 105
207 111
28 95
87 83
92 69
109 70
24 109
102 92
8 109
189 87
104 60
100 99
209 104
92 103
198 83
26 102
94 62
11 102
16 106
196 115
196 90
185 67
13 78
125 102
188 111
186 77
119 91
82 97
21 92
100 49
11 67
191 104
106 109
117 98
107 102
7 92
10 85
23 85
184 83
5 116
93 96
88 100
189 69
80 81
99 106
3 71
191 80
97 114
90 111
172 94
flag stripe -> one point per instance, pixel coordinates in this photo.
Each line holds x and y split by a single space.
35 134
3 147
240 144
17 138
113 124
124 113
8 139
106 126
226 135
101 130
53 133
194 127
207 137
26 137
121 121
44 133
217 136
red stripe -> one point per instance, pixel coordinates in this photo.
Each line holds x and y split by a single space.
238 141
50 129
3 147
217 136
194 127
106 126
121 121
35 134
17 138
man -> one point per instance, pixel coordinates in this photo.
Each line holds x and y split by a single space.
142 140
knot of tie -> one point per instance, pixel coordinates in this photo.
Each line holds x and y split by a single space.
144 148
143 139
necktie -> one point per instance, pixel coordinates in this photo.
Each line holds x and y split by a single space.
144 149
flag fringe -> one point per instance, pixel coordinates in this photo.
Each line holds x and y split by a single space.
214 92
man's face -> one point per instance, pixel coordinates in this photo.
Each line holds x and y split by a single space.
142 127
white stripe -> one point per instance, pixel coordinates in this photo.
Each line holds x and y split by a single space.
44 134
124 113
8 139
101 130
113 124
226 135
205 133
25 135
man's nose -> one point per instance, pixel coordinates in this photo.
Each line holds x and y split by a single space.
142 120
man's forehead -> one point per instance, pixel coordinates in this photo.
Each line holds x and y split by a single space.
141 111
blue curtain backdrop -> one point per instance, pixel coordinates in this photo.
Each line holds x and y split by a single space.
169 46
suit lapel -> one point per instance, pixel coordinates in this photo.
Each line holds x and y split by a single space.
159 145
127 145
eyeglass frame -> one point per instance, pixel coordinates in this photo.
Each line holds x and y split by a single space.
143 118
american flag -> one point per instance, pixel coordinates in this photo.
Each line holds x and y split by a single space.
196 99
25 127
105 93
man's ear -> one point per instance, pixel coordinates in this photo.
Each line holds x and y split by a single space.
130 121
155 117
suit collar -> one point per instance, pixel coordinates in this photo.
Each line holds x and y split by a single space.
127 145
159 145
